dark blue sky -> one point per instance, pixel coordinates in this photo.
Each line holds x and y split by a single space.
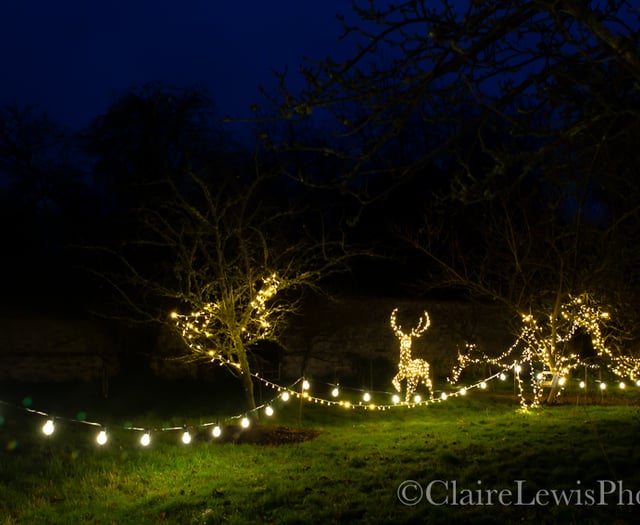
71 56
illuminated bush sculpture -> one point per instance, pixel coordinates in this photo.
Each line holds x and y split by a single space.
545 347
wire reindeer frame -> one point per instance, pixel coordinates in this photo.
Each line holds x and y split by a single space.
411 370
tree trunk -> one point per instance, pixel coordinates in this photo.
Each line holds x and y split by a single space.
555 388
247 380
553 351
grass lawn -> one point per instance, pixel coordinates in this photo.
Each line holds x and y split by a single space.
461 452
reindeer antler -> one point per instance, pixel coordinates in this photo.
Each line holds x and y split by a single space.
394 326
421 328
423 323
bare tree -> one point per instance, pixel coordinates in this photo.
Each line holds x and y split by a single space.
211 233
521 116
231 267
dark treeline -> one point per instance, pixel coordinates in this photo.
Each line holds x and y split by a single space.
490 154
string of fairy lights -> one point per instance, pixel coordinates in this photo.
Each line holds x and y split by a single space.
536 351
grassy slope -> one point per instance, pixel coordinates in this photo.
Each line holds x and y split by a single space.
348 474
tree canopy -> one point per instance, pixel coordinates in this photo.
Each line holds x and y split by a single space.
512 125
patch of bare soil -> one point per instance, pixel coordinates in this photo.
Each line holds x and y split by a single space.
268 435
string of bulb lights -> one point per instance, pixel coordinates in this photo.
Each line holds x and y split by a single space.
300 389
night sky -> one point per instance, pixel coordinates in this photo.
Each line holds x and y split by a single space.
72 57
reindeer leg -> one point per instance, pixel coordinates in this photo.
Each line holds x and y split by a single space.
396 381
426 379
412 383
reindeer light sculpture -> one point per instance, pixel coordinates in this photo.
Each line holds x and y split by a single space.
411 370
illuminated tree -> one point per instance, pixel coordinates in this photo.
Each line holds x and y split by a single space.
203 229
229 265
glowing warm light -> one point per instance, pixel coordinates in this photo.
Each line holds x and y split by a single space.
268 410
305 385
622 385
245 422
101 439
335 392
638 382
248 312
145 439
443 396
483 385
186 437
503 377
463 391
409 369
546 345
366 397
395 399
582 384
285 396
417 398
518 369
216 432
48 427
603 386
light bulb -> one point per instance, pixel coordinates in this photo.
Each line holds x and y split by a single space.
335 392
145 439
395 399
417 398
305 385
483 385
502 377
622 385
48 427
245 422
268 410
366 397
186 437
102 437
217 431
518 369
603 386
539 376
285 396
582 384
463 391
443 396
562 381
638 382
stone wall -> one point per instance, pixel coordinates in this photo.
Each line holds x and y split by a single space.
49 349
351 339
348 339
